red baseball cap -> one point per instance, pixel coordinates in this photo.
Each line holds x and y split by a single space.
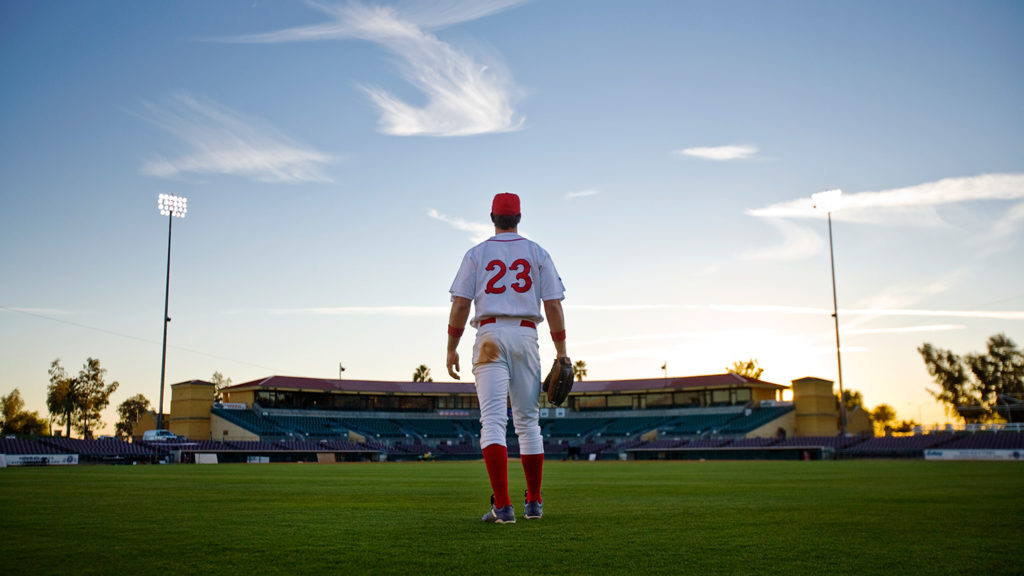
505 204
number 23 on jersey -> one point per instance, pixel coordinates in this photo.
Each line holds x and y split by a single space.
521 282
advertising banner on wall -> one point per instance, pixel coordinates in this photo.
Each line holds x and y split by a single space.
41 459
974 455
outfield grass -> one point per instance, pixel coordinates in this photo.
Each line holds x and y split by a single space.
637 518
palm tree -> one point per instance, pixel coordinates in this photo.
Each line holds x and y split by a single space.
579 369
422 374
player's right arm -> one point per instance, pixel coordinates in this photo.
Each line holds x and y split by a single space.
456 325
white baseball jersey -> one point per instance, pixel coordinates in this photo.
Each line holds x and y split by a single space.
507 275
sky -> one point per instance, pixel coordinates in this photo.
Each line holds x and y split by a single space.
340 158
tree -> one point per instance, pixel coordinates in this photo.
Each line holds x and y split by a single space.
970 386
10 406
904 426
747 369
219 384
1000 371
14 419
422 374
130 411
62 396
579 370
852 399
79 402
882 415
95 394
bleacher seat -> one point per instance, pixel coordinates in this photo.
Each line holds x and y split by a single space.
632 425
758 417
21 446
988 441
378 427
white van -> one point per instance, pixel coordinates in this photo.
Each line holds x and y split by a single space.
159 435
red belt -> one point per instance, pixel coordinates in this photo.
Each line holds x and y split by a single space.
524 323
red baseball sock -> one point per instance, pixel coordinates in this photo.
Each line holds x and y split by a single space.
533 466
496 459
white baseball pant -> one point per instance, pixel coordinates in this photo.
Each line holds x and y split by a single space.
506 364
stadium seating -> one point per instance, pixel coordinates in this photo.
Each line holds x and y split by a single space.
835 442
310 426
708 443
758 417
20 446
103 448
899 446
988 441
753 442
433 428
632 425
377 427
692 425
571 427
251 420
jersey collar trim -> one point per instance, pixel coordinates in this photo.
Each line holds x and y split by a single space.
506 237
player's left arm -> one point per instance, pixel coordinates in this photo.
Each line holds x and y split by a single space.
556 322
456 325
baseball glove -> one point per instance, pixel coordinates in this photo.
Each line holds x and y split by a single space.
558 384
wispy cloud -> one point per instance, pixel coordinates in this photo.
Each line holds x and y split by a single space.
805 310
478 232
392 311
582 194
720 153
909 206
898 297
217 140
39 311
1010 223
905 329
465 94
904 205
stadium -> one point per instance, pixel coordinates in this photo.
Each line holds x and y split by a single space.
710 417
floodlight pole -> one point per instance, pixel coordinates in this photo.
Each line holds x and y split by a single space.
167 299
835 317
171 206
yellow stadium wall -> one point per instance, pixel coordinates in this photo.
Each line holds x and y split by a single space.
815 407
222 429
190 409
146 422
859 423
759 394
246 397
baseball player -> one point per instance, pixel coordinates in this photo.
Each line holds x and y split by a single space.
507 278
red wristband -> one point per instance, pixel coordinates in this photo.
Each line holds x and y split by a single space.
457 332
558 336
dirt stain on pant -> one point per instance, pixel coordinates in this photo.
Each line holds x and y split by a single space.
489 352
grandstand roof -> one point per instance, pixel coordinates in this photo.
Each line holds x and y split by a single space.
328 385
730 380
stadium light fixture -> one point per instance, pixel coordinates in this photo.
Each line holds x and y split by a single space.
172 207
830 201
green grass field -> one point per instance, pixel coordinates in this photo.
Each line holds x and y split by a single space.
638 518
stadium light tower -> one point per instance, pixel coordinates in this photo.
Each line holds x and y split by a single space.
829 201
172 207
